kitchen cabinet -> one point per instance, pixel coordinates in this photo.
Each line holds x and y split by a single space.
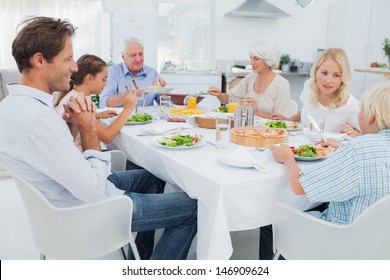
359 28
191 82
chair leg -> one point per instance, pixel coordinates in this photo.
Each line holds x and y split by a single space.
123 253
276 255
42 257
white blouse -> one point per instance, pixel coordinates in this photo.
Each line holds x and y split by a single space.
275 99
330 119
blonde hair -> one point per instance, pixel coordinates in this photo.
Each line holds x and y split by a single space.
266 49
376 101
341 94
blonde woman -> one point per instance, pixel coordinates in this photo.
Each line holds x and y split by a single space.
325 95
265 90
90 78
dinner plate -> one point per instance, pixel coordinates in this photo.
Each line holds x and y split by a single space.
136 123
300 126
157 89
309 158
314 135
156 141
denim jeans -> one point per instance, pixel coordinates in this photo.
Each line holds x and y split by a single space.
175 212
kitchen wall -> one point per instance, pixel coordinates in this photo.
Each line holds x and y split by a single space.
299 35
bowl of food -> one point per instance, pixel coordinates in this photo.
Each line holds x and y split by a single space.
178 98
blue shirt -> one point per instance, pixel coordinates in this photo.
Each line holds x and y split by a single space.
353 178
36 143
119 77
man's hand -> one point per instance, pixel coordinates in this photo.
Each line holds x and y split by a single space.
80 112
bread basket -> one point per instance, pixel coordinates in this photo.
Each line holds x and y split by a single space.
208 122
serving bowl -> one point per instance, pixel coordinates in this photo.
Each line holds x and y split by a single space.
178 98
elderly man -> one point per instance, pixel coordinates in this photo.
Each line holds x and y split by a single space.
131 73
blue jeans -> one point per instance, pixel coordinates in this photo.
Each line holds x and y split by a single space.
175 212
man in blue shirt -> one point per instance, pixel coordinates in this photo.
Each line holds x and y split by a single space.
354 177
130 74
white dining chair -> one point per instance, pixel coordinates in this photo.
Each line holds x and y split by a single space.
118 160
301 236
87 231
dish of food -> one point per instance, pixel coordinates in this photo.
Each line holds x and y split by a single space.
310 153
185 111
288 125
266 132
221 109
179 141
138 118
156 89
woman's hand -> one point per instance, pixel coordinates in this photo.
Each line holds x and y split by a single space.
106 114
215 91
276 116
251 102
130 100
350 130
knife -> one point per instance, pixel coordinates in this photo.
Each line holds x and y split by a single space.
316 127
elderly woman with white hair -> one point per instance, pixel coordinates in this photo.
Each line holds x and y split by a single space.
265 90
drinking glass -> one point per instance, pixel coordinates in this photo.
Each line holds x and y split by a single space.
191 104
140 98
233 104
165 105
222 131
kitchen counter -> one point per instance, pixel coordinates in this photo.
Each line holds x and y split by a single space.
192 72
385 72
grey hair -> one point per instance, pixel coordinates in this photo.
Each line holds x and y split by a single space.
266 49
129 41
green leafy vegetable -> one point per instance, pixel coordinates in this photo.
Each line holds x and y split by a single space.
179 140
137 117
306 151
276 124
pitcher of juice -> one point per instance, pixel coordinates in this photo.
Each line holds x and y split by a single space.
191 104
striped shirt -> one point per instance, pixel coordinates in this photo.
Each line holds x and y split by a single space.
353 178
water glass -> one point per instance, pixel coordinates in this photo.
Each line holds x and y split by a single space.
165 105
222 130
140 97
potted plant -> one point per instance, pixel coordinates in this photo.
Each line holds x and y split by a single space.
285 61
386 50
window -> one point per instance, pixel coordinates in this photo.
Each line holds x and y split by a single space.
185 34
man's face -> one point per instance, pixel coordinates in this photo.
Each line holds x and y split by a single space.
60 68
134 57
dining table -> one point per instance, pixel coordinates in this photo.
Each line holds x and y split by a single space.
230 198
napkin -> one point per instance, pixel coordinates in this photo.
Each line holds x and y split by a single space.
242 158
163 127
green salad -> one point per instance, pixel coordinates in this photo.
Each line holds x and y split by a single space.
138 117
179 140
221 109
306 151
276 124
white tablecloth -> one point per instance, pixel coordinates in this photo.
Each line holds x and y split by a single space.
229 198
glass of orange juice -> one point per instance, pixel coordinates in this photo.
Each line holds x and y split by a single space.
191 104
232 106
